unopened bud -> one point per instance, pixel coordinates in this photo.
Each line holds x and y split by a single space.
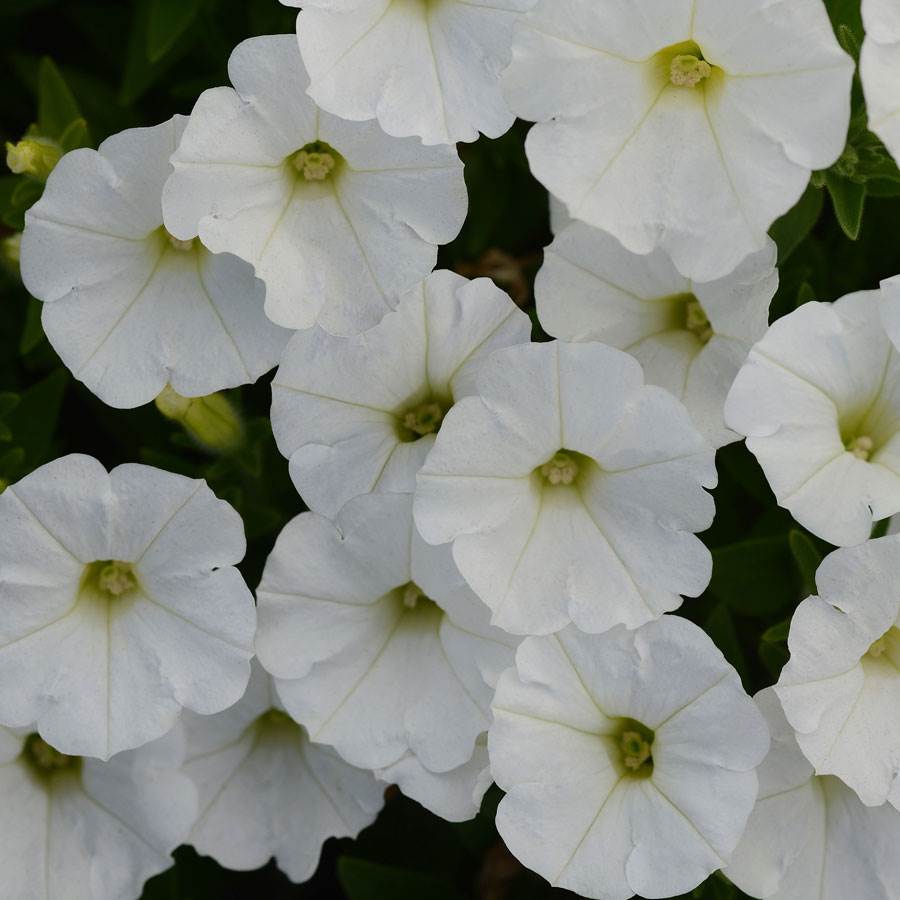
34 156
212 421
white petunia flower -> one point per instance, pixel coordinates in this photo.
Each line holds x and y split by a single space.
819 402
570 490
421 68
266 790
809 838
81 828
689 125
360 414
128 307
690 337
119 604
841 688
627 759
879 69
379 648
890 309
337 217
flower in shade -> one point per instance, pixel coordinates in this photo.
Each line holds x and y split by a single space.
879 69
690 337
819 401
841 687
74 827
627 759
266 790
422 68
570 490
689 125
360 414
338 218
378 647
119 604
128 307
809 837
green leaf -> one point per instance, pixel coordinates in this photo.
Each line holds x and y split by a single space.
777 634
76 135
773 656
57 107
167 21
364 880
807 556
848 198
33 421
848 40
756 577
33 332
805 293
795 225
720 626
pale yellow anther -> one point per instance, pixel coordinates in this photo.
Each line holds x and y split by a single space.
687 70
697 322
636 750
411 596
46 759
314 165
562 469
182 246
116 579
861 447
424 419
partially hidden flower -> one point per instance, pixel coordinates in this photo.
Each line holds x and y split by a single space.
570 491
879 69
841 687
421 68
338 218
379 648
359 414
690 337
809 837
689 125
128 307
119 604
266 790
628 759
83 828
819 401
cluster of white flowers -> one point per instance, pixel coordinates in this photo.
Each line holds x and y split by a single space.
499 530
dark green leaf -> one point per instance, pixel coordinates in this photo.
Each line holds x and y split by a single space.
57 107
807 556
167 21
793 227
76 135
805 293
848 199
721 628
32 333
777 634
364 880
33 421
756 577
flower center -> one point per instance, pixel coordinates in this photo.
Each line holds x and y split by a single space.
111 579
635 745
683 65
179 245
696 321
861 447
414 597
44 759
420 420
316 161
887 647
561 469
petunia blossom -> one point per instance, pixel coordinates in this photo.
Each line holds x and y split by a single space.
338 218
809 837
890 309
879 69
379 648
128 307
570 491
819 401
266 790
86 829
421 68
360 414
690 337
628 759
119 604
841 687
686 125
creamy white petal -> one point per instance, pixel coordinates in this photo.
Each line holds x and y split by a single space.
680 168
98 672
841 688
338 251
339 404
128 310
571 811
879 69
376 644
541 554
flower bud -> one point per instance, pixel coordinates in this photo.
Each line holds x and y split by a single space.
212 421
35 156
